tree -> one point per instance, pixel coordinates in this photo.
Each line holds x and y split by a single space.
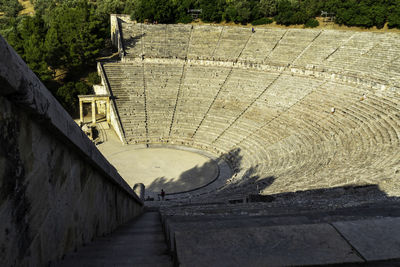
79 35
53 48
162 11
10 7
68 94
212 10
267 8
394 16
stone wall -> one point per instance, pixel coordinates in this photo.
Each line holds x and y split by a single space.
57 191
105 90
116 33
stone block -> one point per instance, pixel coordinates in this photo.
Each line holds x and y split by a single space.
291 245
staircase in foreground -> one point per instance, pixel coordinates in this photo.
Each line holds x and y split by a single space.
249 234
138 243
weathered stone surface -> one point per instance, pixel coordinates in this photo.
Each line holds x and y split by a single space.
137 243
175 224
269 96
26 90
264 246
57 191
377 239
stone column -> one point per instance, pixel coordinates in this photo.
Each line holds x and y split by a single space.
81 111
93 111
108 115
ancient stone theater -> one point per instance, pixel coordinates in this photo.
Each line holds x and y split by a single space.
220 146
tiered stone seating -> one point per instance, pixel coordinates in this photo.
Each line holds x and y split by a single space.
238 92
278 120
155 40
133 38
367 54
231 43
322 47
178 37
261 44
198 90
126 82
288 225
203 42
292 44
162 83
354 49
282 125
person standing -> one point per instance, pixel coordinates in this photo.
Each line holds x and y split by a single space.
162 194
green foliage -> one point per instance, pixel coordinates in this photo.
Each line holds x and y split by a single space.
63 36
311 23
185 19
162 11
365 13
66 36
68 94
361 13
129 7
289 13
106 7
93 78
80 34
10 7
238 11
212 10
394 16
181 13
267 8
262 21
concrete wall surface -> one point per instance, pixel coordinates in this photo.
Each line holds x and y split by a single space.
57 191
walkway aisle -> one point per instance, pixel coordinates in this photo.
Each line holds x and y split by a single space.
139 243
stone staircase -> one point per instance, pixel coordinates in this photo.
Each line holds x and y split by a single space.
287 233
138 243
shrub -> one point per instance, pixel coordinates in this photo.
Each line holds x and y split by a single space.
185 19
68 94
262 21
93 78
311 23
394 17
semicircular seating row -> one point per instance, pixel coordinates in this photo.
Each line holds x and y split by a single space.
371 55
281 123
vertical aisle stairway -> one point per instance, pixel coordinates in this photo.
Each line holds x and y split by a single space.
138 243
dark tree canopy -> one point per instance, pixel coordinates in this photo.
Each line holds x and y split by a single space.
67 36
63 36
361 13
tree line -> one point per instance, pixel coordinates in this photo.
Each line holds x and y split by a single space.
360 13
64 37
61 42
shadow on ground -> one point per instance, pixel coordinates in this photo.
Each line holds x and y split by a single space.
132 41
247 188
252 183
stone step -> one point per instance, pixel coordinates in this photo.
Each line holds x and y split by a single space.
345 242
137 243
288 245
173 224
149 261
